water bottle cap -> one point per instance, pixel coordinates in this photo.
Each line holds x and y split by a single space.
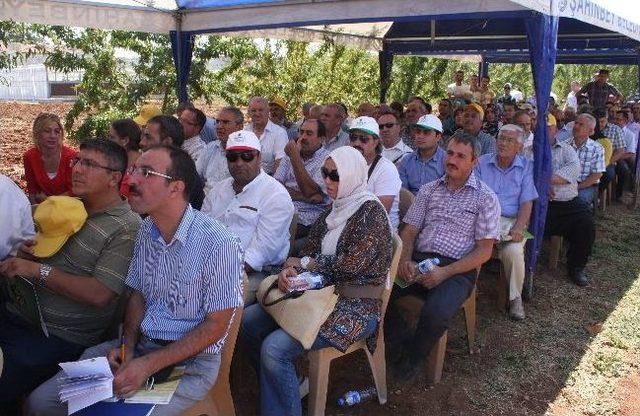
435 260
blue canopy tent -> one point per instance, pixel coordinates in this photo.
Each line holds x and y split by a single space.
517 30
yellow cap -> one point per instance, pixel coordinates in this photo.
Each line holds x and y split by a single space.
551 120
57 218
279 102
147 112
477 108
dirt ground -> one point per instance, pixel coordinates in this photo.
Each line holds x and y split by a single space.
575 354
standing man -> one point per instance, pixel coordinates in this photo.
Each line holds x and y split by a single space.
598 91
212 164
572 100
591 156
186 284
458 91
254 206
273 138
300 174
485 95
506 98
393 148
78 277
384 180
426 163
454 218
333 115
510 176
192 121
472 125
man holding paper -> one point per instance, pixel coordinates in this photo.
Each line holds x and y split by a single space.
510 176
185 278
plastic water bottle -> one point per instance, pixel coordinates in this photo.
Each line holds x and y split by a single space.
353 397
426 265
307 281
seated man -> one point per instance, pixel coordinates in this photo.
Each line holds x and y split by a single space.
426 163
212 164
333 116
17 225
78 287
628 155
615 133
454 218
393 148
273 138
254 206
510 176
186 283
567 214
472 124
167 130
300 174
591 155
193 121
384 180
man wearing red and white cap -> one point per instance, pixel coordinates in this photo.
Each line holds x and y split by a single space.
426 163
254 206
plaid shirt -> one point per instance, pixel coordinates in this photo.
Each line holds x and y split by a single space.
450 222
615 134
598 94
591 155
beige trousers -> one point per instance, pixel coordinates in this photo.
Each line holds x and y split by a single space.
511 256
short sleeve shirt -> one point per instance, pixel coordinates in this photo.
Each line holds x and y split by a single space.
591 155
385 181
415 172
199 272
450 222
273 141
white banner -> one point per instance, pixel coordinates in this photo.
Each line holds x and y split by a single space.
596 14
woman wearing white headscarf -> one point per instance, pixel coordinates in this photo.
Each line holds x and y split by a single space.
350 245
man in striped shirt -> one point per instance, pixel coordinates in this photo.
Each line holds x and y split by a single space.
185 277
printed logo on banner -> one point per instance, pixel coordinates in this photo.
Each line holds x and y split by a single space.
562 5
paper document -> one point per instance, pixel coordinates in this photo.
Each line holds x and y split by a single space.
85 382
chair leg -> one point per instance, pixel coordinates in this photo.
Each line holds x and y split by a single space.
436 360
318 382
554 251
470 319
502 288
378 364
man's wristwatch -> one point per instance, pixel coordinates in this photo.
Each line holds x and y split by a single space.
45 271
304 262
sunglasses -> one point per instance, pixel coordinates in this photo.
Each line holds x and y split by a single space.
245 156
331 174
386 126
359 138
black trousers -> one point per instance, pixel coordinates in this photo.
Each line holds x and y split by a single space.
573 220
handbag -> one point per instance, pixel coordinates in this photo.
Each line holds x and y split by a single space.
299 313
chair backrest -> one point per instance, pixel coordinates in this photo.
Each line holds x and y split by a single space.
406 199
293 228
393 271
230 344
608 149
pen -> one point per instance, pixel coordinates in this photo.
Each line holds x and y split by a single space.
122 354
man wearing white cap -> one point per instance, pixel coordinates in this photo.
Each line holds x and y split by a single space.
254 206
426 163
384 180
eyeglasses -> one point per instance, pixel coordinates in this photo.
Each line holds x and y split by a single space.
245 156
87 163
386 126
505 139
145 171
223 122
331 174
359 137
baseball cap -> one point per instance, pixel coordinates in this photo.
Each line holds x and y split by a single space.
507 85
57 218
366 124
429 122
279 102
147 112
551 120
243 140
475 107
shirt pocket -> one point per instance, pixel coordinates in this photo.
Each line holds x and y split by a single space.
184 296
243 222
465 219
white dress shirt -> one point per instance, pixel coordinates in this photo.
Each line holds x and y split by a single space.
212 165
273 140
395 153
630 140
385 181
194 146
16 225
260 215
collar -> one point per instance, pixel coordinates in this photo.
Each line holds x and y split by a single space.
115 210
575 146
438 154
254 183
517 161
182 233
400 146
472 181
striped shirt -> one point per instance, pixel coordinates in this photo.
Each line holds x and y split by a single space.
566 165
102 250
450 222
591 155
197 273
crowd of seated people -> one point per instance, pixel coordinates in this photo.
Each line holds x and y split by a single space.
155 226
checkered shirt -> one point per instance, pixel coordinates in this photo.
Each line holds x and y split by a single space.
591 155
616 135
450 222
